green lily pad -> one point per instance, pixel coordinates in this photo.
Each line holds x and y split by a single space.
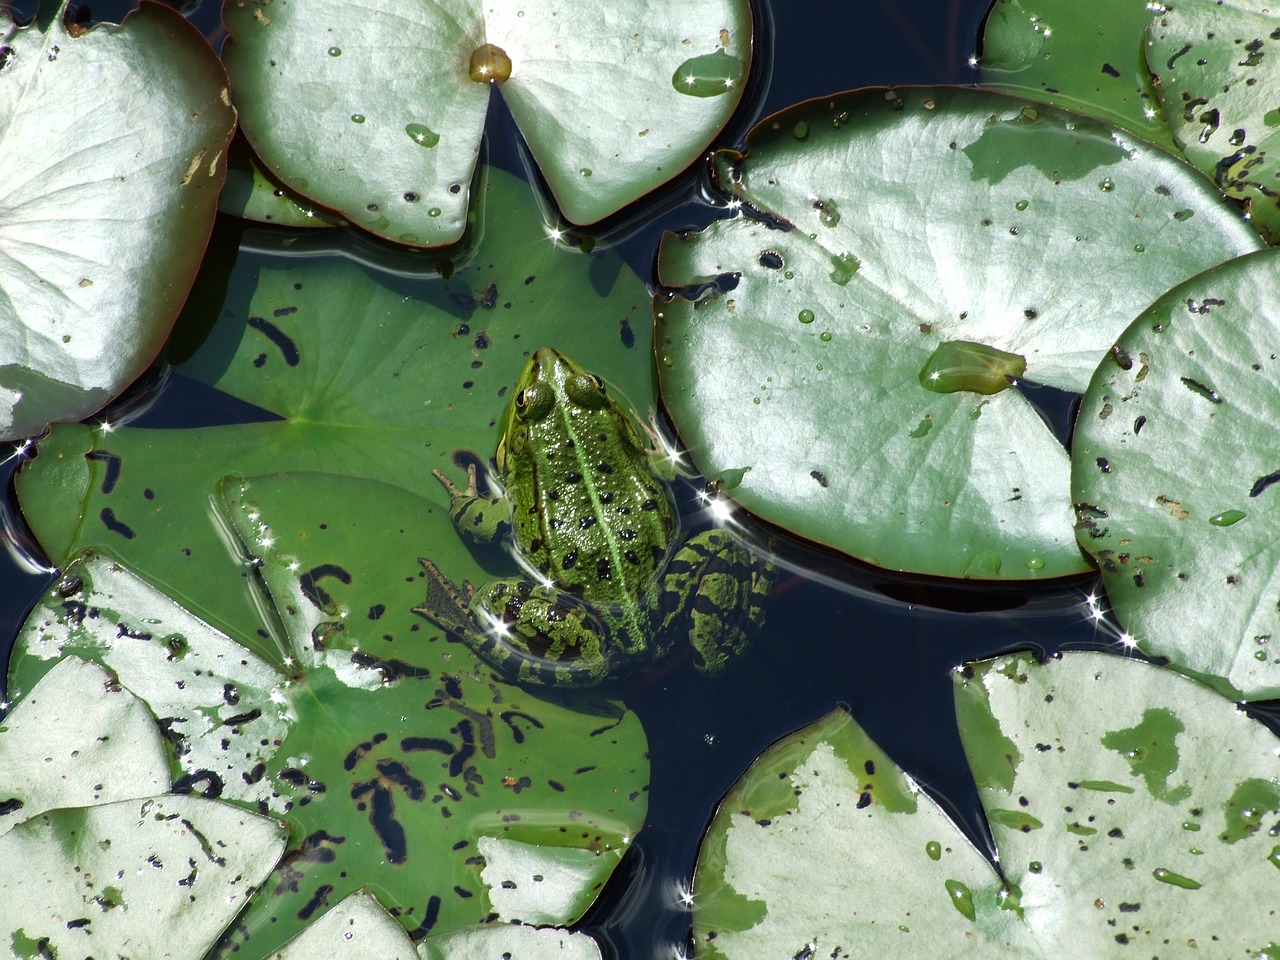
1130 809
78 739
159 877
1084 55
359 925
1175 457
372 376
253 193
108 206
399 760
1217 84
381 118
792 347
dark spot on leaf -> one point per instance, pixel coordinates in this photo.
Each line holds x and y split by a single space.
288 349
108 517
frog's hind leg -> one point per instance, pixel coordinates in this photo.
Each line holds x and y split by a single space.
725 613
538 635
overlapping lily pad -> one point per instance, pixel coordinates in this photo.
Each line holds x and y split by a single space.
831 355
1130 809
1217 66
401 763
1174 470
107 201
379 114
369 376
90 846
1084 55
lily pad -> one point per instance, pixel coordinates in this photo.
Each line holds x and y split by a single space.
1129 807
253 193
1174 469
400 762
1084 55
78 739
158 878
797 345
360 373
108 205
380 116
1218 86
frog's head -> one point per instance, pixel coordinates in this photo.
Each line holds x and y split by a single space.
549 383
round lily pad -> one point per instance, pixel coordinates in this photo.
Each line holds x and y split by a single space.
1218 63
1130 807
1176 475
843 354
379 116
113 142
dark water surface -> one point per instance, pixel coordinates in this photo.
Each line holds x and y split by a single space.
840 632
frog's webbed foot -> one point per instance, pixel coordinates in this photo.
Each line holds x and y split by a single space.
725 613
447 605
482 519
538 635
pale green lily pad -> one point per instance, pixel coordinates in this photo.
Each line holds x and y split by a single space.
1217 65
1130 809
510 943
401 762
108 202
78 739
1174 464
1084 55
372 376
156 878
799 351
380 118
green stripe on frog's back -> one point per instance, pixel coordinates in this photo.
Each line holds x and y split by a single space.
590 513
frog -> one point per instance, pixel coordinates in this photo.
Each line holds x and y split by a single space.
610 583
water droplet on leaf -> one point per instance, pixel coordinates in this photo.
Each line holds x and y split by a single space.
357 118
805 316
1226 518
422 135
489 62
335 51
964 365
709 75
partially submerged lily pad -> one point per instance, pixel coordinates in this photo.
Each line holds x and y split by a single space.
400 762
1218 64
381 119
1174 472
1084 55
799 347
108 201
352 372
1129 807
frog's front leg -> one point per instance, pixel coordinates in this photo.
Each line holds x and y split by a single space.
531 633
713 591
483 520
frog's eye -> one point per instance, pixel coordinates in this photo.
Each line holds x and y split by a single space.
586 390
534 401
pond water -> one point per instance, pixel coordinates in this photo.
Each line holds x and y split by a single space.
839 632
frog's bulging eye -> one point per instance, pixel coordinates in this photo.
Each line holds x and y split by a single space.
534 401
586 390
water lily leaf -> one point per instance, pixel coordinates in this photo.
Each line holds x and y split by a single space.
108 205
78 739
253 193
398 759
1129 808
1083 55
792 347
373 376
1174 464
516 942
147 878
359 925
380 118
1215 80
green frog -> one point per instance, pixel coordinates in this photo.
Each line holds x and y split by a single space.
611 585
